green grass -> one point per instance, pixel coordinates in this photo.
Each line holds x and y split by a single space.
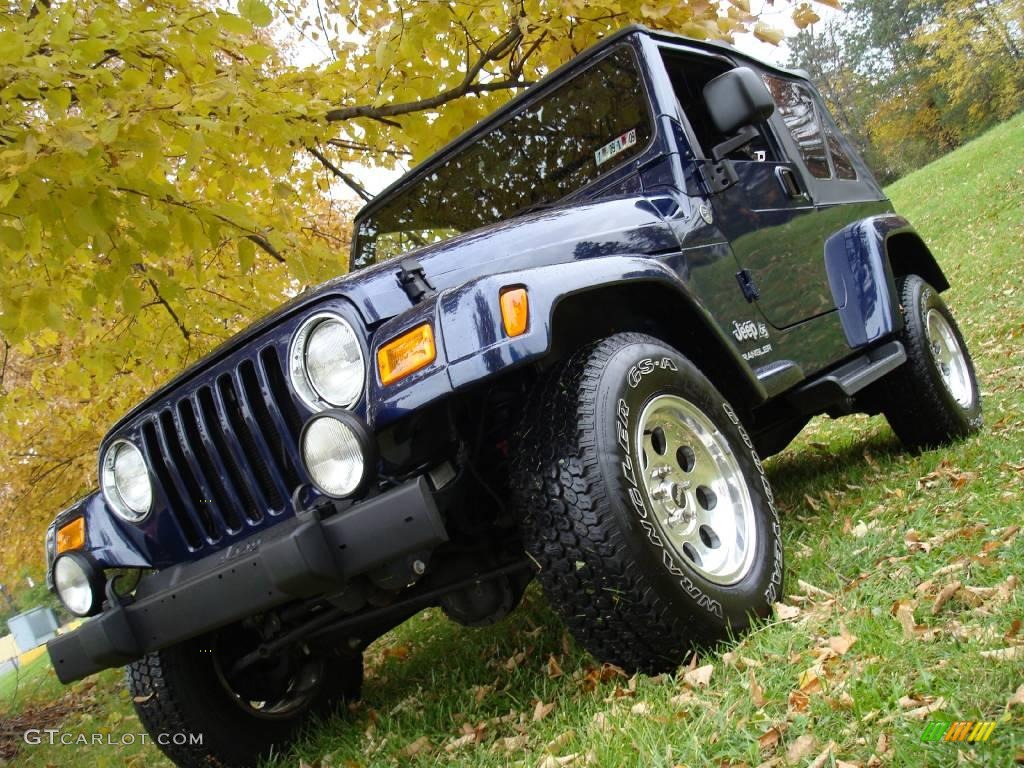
848 498
33 682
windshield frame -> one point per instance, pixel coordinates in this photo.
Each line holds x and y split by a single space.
629 38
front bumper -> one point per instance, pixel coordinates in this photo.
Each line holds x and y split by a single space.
301 558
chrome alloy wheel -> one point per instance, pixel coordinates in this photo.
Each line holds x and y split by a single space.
950 358
696 489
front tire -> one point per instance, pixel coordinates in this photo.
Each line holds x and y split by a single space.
933 398
645 505
195 718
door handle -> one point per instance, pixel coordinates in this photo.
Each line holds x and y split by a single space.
789 183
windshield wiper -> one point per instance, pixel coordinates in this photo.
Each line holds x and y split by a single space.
536 207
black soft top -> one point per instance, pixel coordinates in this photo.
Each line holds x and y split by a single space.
577 62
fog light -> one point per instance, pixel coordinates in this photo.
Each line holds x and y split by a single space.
79 583
337 452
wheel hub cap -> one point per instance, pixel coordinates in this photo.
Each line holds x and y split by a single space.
695 489
950 358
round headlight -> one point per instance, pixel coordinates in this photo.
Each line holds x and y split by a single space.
337 452
79 583
125 481
326 362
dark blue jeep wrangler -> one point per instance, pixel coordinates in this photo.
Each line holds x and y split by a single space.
565 342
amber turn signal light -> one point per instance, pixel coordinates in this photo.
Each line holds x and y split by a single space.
515 310
407 354
71 536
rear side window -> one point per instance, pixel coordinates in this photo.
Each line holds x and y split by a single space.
841 161
796 107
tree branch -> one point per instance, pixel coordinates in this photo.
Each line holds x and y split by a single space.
3 368
497 51
161 300
352 184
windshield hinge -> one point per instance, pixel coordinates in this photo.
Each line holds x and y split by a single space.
413 280
717 176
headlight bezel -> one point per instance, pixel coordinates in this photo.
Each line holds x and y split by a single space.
111 489
91 574
298 370
367 450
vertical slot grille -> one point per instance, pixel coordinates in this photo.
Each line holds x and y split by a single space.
157 463
225 452
186 474
251 507
274 440
208 468
281 393
260 471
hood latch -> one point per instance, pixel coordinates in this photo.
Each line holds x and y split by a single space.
413 280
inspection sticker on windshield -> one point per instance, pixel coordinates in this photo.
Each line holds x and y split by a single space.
615 146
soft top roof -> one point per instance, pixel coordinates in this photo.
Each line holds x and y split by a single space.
579 61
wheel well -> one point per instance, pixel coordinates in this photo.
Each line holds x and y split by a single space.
656 310
908 255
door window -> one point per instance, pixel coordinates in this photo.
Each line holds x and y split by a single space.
689 74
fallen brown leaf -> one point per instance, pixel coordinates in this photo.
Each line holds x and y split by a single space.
554 669
944 596
1017 700
515 661
920 712
555 745
514 743
1005 654
699 677
810 589
683 699
756 691
542 710
842 643
905 616
554 762
769 739
414 748
799 748
480 692
460 742
823 757
1014 630
785 612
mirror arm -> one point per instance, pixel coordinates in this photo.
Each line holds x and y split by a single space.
746 135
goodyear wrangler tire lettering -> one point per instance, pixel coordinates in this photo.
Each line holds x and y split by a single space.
617 576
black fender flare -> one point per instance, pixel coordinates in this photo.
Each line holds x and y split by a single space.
862 260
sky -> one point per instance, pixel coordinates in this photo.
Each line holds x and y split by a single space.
778 16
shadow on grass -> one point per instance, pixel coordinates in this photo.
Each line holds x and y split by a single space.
798 471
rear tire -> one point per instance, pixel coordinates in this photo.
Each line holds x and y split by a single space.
633 556
180 697
933 398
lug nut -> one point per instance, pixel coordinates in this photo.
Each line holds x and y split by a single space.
419 567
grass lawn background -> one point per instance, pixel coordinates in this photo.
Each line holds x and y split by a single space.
903 595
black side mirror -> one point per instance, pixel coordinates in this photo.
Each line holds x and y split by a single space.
737 100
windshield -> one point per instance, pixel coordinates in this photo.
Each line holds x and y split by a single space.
549 149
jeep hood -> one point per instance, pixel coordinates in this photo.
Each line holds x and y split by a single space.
629 225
